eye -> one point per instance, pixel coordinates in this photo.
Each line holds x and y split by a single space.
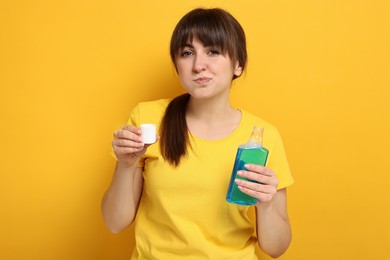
186 53
213 52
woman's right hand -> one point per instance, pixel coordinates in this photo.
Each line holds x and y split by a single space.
128 145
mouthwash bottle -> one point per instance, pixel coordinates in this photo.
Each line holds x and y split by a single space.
252 152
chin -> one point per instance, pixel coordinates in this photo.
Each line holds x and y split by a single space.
201 94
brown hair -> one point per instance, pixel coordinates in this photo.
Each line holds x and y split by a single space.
213 27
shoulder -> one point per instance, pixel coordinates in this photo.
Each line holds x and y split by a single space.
271 135
159 104
148 112
251 119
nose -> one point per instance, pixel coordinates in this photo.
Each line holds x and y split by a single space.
200 63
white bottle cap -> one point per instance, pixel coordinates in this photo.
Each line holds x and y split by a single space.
148 133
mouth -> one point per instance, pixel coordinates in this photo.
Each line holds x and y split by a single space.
202 80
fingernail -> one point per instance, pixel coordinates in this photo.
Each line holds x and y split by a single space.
240 173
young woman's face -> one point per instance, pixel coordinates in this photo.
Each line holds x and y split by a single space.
205 71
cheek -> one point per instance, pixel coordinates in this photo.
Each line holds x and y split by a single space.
183 73
180 68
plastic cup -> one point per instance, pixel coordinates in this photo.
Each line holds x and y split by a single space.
148 133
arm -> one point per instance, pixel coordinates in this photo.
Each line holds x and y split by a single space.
273 227
120 202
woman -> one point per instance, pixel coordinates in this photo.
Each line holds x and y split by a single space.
175 189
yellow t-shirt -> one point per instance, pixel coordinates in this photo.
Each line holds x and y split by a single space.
183 213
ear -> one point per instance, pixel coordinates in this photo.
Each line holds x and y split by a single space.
237 69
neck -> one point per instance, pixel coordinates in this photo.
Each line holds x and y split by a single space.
211 119
210 110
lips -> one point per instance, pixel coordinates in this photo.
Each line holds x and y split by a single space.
202 80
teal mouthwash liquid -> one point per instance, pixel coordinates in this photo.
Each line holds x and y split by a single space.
252 152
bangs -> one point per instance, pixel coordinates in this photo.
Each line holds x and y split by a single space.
210 33
211 27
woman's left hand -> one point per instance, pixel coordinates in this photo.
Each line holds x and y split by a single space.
265 186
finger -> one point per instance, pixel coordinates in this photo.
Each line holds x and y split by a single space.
259 169
127 150
259 177
131 128
259 191
261 196
127 143
257 187
131 134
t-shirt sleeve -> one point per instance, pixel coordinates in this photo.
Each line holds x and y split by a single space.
277 161
134 117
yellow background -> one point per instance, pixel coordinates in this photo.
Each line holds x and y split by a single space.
70 71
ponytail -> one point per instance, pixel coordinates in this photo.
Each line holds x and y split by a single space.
174 131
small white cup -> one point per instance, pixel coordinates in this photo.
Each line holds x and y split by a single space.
148 133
